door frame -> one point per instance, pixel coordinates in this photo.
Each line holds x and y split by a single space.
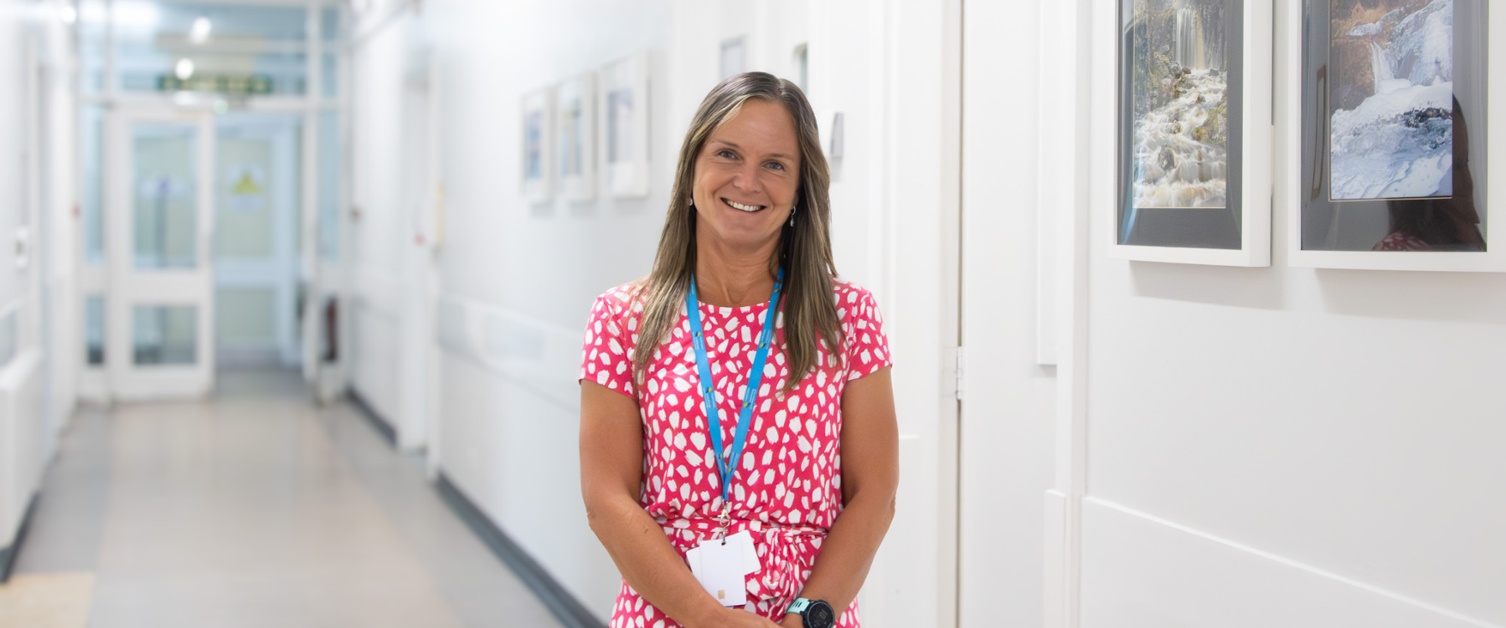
126 286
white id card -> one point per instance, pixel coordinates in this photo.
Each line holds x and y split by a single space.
722 568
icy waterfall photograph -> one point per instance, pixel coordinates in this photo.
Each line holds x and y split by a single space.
1180 85
1391 99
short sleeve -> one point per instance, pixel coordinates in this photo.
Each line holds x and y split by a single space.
606 355
867 346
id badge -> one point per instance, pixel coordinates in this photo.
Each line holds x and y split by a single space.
722 568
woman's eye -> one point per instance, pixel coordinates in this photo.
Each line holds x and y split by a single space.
726 154
774 165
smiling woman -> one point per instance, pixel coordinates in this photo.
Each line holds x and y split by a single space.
738 438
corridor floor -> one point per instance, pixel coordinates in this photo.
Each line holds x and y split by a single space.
254 508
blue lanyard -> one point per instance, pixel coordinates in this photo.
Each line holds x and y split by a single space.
726 466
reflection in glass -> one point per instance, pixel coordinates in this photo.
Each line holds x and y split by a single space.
163 215
1392 93
164 335
94 330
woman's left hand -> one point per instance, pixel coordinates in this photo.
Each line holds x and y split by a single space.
792 621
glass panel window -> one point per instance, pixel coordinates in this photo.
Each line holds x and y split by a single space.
329 185
331 76
92 148
94 330
164 203
8 337
164 335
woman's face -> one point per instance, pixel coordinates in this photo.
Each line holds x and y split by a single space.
746 176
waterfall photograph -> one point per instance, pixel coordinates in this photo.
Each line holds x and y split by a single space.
1391 99
1179 87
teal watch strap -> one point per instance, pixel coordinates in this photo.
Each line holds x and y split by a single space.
798 606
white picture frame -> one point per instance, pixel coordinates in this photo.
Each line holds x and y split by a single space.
623 114
1493 259
1252 163
575 137
537 155
733 57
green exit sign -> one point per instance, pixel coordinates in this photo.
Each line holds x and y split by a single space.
232 84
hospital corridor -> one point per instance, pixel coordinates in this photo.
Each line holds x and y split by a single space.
504 313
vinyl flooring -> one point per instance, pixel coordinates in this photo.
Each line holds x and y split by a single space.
253 508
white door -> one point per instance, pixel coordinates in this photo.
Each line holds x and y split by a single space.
160 276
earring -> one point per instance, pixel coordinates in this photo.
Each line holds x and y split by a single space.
792 215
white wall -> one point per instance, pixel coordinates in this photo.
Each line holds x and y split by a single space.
1286 446
37 176
524 274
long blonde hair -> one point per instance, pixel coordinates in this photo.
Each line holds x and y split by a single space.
810 310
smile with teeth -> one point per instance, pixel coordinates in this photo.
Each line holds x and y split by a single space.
742 207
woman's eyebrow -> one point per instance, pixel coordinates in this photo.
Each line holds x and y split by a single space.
734 145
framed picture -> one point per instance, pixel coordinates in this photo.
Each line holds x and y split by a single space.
538 158
624 119
1395 135
1194 132
734 58
575 134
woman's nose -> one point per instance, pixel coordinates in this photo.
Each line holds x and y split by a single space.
746 178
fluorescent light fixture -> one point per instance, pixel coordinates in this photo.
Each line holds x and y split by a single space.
136 15
199 33
183 69
67 14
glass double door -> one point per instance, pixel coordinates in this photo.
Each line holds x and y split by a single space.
159 255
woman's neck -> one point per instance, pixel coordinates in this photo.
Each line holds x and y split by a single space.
726 279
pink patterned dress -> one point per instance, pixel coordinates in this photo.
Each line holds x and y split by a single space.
787 490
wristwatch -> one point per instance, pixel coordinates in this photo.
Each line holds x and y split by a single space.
813 613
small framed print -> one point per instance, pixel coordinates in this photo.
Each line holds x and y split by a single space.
624 119
575 135
734 57
1396 132
538 158
1194 131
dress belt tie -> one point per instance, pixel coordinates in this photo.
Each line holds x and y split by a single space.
781 549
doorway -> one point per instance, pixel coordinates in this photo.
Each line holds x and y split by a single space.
201 243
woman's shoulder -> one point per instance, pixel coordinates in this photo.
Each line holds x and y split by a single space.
623 297
849 294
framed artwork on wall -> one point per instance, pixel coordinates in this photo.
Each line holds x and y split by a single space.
575 135
624 115
1396 134
1194 132
734 57
538 159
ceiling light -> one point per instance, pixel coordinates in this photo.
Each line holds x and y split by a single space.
199 33
67 14
135 15
183 69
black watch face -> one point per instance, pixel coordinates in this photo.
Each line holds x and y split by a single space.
819 615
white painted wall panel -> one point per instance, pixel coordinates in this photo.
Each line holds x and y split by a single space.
1007 434
1140 571
1349 421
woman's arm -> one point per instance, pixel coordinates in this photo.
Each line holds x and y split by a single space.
611 468
870 476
